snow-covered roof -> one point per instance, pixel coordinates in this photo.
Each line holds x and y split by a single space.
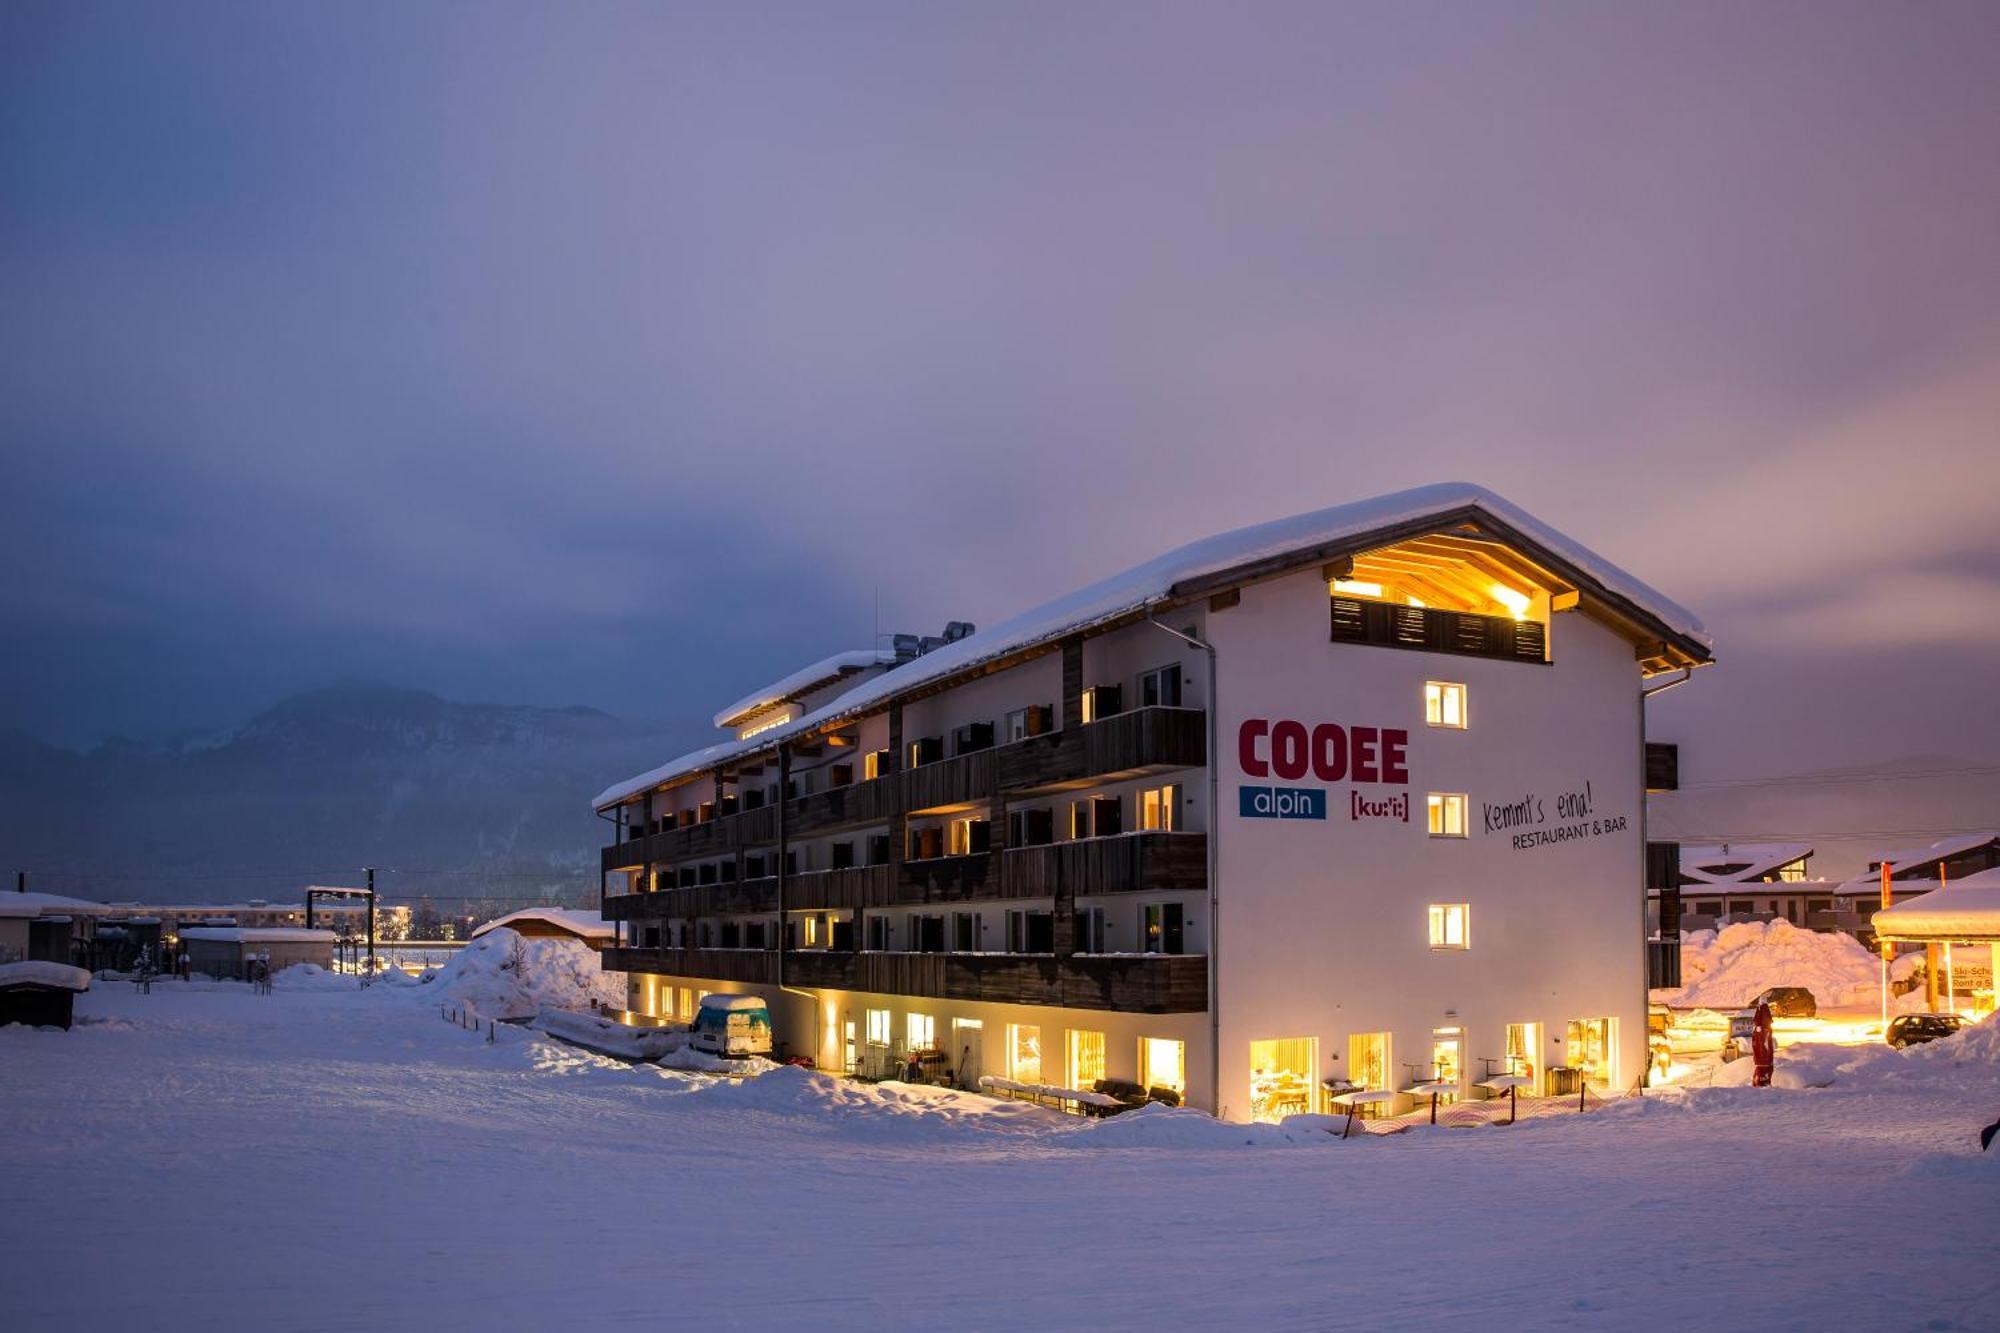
36 904
1154 582
579 921
258 934
1964 909
1941 850
733 1003
803 681
1756 858
35 972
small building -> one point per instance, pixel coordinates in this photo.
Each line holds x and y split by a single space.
1958 923
233 951
40 993
582 924
45 927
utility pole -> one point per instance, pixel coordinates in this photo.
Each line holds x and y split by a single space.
371 920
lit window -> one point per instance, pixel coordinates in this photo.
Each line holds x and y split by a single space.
921 1029
871 764
1447 814
1024 1053
1088 706
1086 1058
960 842
1450 926
1444 705
879 1029
1156 808
1445 1060
1163 1063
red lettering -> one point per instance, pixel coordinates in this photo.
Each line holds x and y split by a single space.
1329 752
1288 750
1246 747
1394 744
1364 755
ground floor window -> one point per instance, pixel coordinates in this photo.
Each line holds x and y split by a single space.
1447 1054
1524 1053
1368 1060
1282 1080
1163 1063
921 1029
880 1031
1589 1048
1024 1052
1086 1058
688 1003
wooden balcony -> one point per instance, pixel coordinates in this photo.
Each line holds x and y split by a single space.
1127 863
1126 983
1432 630
1117 748
1124 863
759 966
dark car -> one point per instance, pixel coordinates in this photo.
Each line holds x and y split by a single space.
1788 1002
1916 1029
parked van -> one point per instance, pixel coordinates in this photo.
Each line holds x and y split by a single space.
732 1025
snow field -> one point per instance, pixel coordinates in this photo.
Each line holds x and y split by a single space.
393 1168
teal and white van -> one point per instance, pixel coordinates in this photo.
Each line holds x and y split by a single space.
732 1025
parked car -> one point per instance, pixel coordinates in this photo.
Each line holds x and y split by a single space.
732 1025
1916 1029
1788 1002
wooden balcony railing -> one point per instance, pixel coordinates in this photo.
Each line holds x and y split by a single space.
1433 630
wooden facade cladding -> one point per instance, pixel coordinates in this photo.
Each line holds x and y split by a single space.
1125 745
1125 863
1127 983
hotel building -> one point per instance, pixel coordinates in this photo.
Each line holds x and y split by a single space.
1351 796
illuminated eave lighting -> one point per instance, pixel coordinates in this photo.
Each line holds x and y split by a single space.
1357 588
1517 603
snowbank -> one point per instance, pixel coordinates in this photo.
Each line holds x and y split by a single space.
886 1112
1973 1056
1728 968
502 975
1156 1125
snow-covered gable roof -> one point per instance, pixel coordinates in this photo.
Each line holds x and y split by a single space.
1965 909
1154 583
1941 850
805 680
579 921
1756 858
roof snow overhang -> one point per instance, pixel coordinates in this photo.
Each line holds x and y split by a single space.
1665 635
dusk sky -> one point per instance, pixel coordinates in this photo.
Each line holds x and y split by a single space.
627 354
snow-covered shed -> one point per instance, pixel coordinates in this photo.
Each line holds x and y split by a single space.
40 993
233 951
1963 912
569 923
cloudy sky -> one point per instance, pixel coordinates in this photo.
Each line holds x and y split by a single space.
624 355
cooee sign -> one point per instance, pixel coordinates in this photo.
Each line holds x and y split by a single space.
1329 751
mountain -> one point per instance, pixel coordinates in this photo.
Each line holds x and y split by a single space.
449 799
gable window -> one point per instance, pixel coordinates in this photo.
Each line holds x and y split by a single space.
1447 814
1160 687
1444 704
1451 926
1158 807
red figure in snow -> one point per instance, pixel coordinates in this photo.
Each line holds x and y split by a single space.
1763 1047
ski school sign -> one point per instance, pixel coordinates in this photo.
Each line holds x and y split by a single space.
1330 753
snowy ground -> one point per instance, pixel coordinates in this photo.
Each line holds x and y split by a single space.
336 1159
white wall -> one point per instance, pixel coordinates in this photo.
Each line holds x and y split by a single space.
1323 923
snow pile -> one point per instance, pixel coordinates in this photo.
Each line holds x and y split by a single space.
608 1037
502 975
311 976
1972 1056
883 1111
1726 969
